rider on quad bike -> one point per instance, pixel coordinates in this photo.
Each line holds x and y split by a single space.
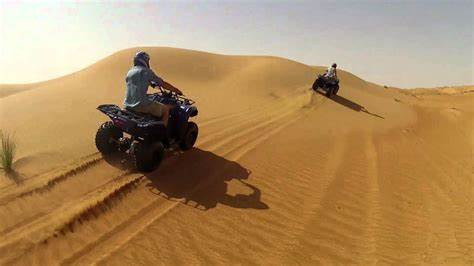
331 73
150 124
329 82
139 77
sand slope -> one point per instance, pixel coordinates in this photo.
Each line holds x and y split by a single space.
280 174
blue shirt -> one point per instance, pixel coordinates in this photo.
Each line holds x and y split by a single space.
138 79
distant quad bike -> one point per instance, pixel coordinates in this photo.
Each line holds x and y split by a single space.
330 86
147 139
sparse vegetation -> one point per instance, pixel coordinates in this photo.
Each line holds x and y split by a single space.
7 152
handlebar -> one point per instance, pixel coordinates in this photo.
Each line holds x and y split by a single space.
154 85
180 98
169 94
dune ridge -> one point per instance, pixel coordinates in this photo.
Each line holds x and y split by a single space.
280 174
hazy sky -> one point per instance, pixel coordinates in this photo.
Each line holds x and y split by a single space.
397 43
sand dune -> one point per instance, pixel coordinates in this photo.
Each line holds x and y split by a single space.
280 175
9 89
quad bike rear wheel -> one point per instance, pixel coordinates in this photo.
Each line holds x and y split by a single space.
329 92
107 138
190 136
147 156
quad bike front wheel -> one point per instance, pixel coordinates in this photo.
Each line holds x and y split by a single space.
190 136
318 83
147 156
315 85
107 138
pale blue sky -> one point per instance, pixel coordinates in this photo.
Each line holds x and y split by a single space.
397 43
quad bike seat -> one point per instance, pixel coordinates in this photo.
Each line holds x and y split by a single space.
129 117
144 115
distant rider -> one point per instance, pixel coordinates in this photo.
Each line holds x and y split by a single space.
139 77
331 73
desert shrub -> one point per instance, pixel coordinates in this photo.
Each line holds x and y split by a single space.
7 153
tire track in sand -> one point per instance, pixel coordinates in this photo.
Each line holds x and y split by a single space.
264 130
344 228
48 180
98 251
261 115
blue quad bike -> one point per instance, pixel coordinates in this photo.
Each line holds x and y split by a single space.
329 86
144 136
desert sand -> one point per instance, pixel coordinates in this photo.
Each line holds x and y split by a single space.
280 174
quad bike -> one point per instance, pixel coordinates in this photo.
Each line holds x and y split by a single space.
330 86
147 138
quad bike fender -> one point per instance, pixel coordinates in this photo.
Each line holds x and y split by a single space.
189 110
185 112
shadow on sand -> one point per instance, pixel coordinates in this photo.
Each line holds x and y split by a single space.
14 176
121 161
199 178
351 105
